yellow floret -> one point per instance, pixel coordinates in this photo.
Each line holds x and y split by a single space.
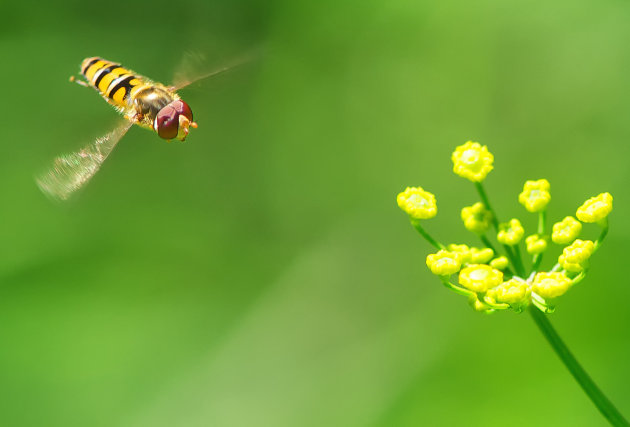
573 267
480 277
479 306
579 251
551 285
536 244
535 195
416 202
444 263
596 208
481 256
514 291
566 231
472 161
510 233
463 250
500 263
476 218
574 258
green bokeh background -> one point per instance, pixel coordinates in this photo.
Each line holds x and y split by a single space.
261 274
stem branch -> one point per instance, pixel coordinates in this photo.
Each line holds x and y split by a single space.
428 238
602 235
488 244
542 225
520 269
486 202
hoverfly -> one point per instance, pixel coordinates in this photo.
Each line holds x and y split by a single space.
148 104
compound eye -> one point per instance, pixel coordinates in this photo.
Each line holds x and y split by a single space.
182 108
167 122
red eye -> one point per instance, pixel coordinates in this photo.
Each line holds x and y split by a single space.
167 122
182 108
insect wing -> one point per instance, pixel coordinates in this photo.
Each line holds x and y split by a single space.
188 74
72 171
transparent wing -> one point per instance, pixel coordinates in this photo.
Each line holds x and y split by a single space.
72 171
188 71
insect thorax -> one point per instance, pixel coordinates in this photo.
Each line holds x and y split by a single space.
150 100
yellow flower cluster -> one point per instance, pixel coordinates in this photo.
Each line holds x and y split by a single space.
596 208
494 281
418 204
476 218
551 285
566 231
462 250
472 161
515 291
535 195
510 233
444 263
500 263
536 244
480 256
450 261
490 289
480 277
574 258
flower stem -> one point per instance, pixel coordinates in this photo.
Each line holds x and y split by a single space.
602 235
495 223
488 244
604 405
542 224
486 202
496 306
541 304
428 238
536 261
446 282
520 269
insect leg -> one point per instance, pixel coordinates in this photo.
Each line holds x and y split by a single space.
79 82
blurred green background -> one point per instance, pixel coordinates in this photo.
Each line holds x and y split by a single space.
261 274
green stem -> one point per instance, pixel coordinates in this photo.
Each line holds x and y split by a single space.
602 235
495 224
520 269
540 305
577 279
446 282
542 222
511 257
486 202
496 306
417 226
536 261
486 242
602 403
542 225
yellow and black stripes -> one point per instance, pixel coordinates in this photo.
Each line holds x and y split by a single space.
114 82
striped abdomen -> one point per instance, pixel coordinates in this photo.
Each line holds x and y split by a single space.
114 82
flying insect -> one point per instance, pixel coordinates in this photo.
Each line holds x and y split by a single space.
143 102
